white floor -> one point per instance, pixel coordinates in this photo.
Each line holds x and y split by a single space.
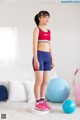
25 111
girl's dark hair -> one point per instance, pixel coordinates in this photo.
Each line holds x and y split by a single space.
41 13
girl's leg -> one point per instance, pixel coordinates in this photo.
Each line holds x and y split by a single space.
46 76
38 82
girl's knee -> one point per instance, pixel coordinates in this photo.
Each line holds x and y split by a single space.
38 83
45 83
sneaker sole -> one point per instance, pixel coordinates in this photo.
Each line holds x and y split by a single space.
41 110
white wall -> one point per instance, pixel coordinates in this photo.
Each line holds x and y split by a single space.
65 28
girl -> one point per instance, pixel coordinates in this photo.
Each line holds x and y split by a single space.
42 59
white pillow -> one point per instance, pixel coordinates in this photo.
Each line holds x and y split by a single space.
29 86
17 91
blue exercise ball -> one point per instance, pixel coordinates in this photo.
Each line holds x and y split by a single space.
57 90
69 106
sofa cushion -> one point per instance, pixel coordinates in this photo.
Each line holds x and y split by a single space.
29 86
17 91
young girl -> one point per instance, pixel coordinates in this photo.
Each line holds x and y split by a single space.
42 59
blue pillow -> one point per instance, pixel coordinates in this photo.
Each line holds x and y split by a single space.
3 93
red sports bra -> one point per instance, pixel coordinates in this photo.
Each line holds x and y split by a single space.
44 36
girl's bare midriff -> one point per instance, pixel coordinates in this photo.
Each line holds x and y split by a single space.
43 46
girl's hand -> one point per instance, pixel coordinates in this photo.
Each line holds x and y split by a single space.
36 64
52 63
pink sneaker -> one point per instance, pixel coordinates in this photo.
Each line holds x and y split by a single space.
47 105
41 107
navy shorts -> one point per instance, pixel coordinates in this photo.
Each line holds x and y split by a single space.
44 61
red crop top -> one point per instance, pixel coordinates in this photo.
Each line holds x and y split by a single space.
44 36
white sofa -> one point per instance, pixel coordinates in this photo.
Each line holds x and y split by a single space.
20 104
21 96
20 89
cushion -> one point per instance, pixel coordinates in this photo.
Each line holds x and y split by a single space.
3 93
17 91
29 86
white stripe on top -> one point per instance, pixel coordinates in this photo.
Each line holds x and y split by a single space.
43 41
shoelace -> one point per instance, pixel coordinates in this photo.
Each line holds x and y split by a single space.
42 103
46 103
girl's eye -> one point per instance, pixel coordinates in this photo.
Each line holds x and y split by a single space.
45 16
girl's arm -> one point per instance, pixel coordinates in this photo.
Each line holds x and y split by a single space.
35 39
51 53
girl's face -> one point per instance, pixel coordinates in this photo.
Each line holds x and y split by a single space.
44 19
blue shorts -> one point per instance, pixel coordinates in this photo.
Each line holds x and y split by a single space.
44 61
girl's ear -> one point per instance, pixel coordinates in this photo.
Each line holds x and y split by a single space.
39 18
